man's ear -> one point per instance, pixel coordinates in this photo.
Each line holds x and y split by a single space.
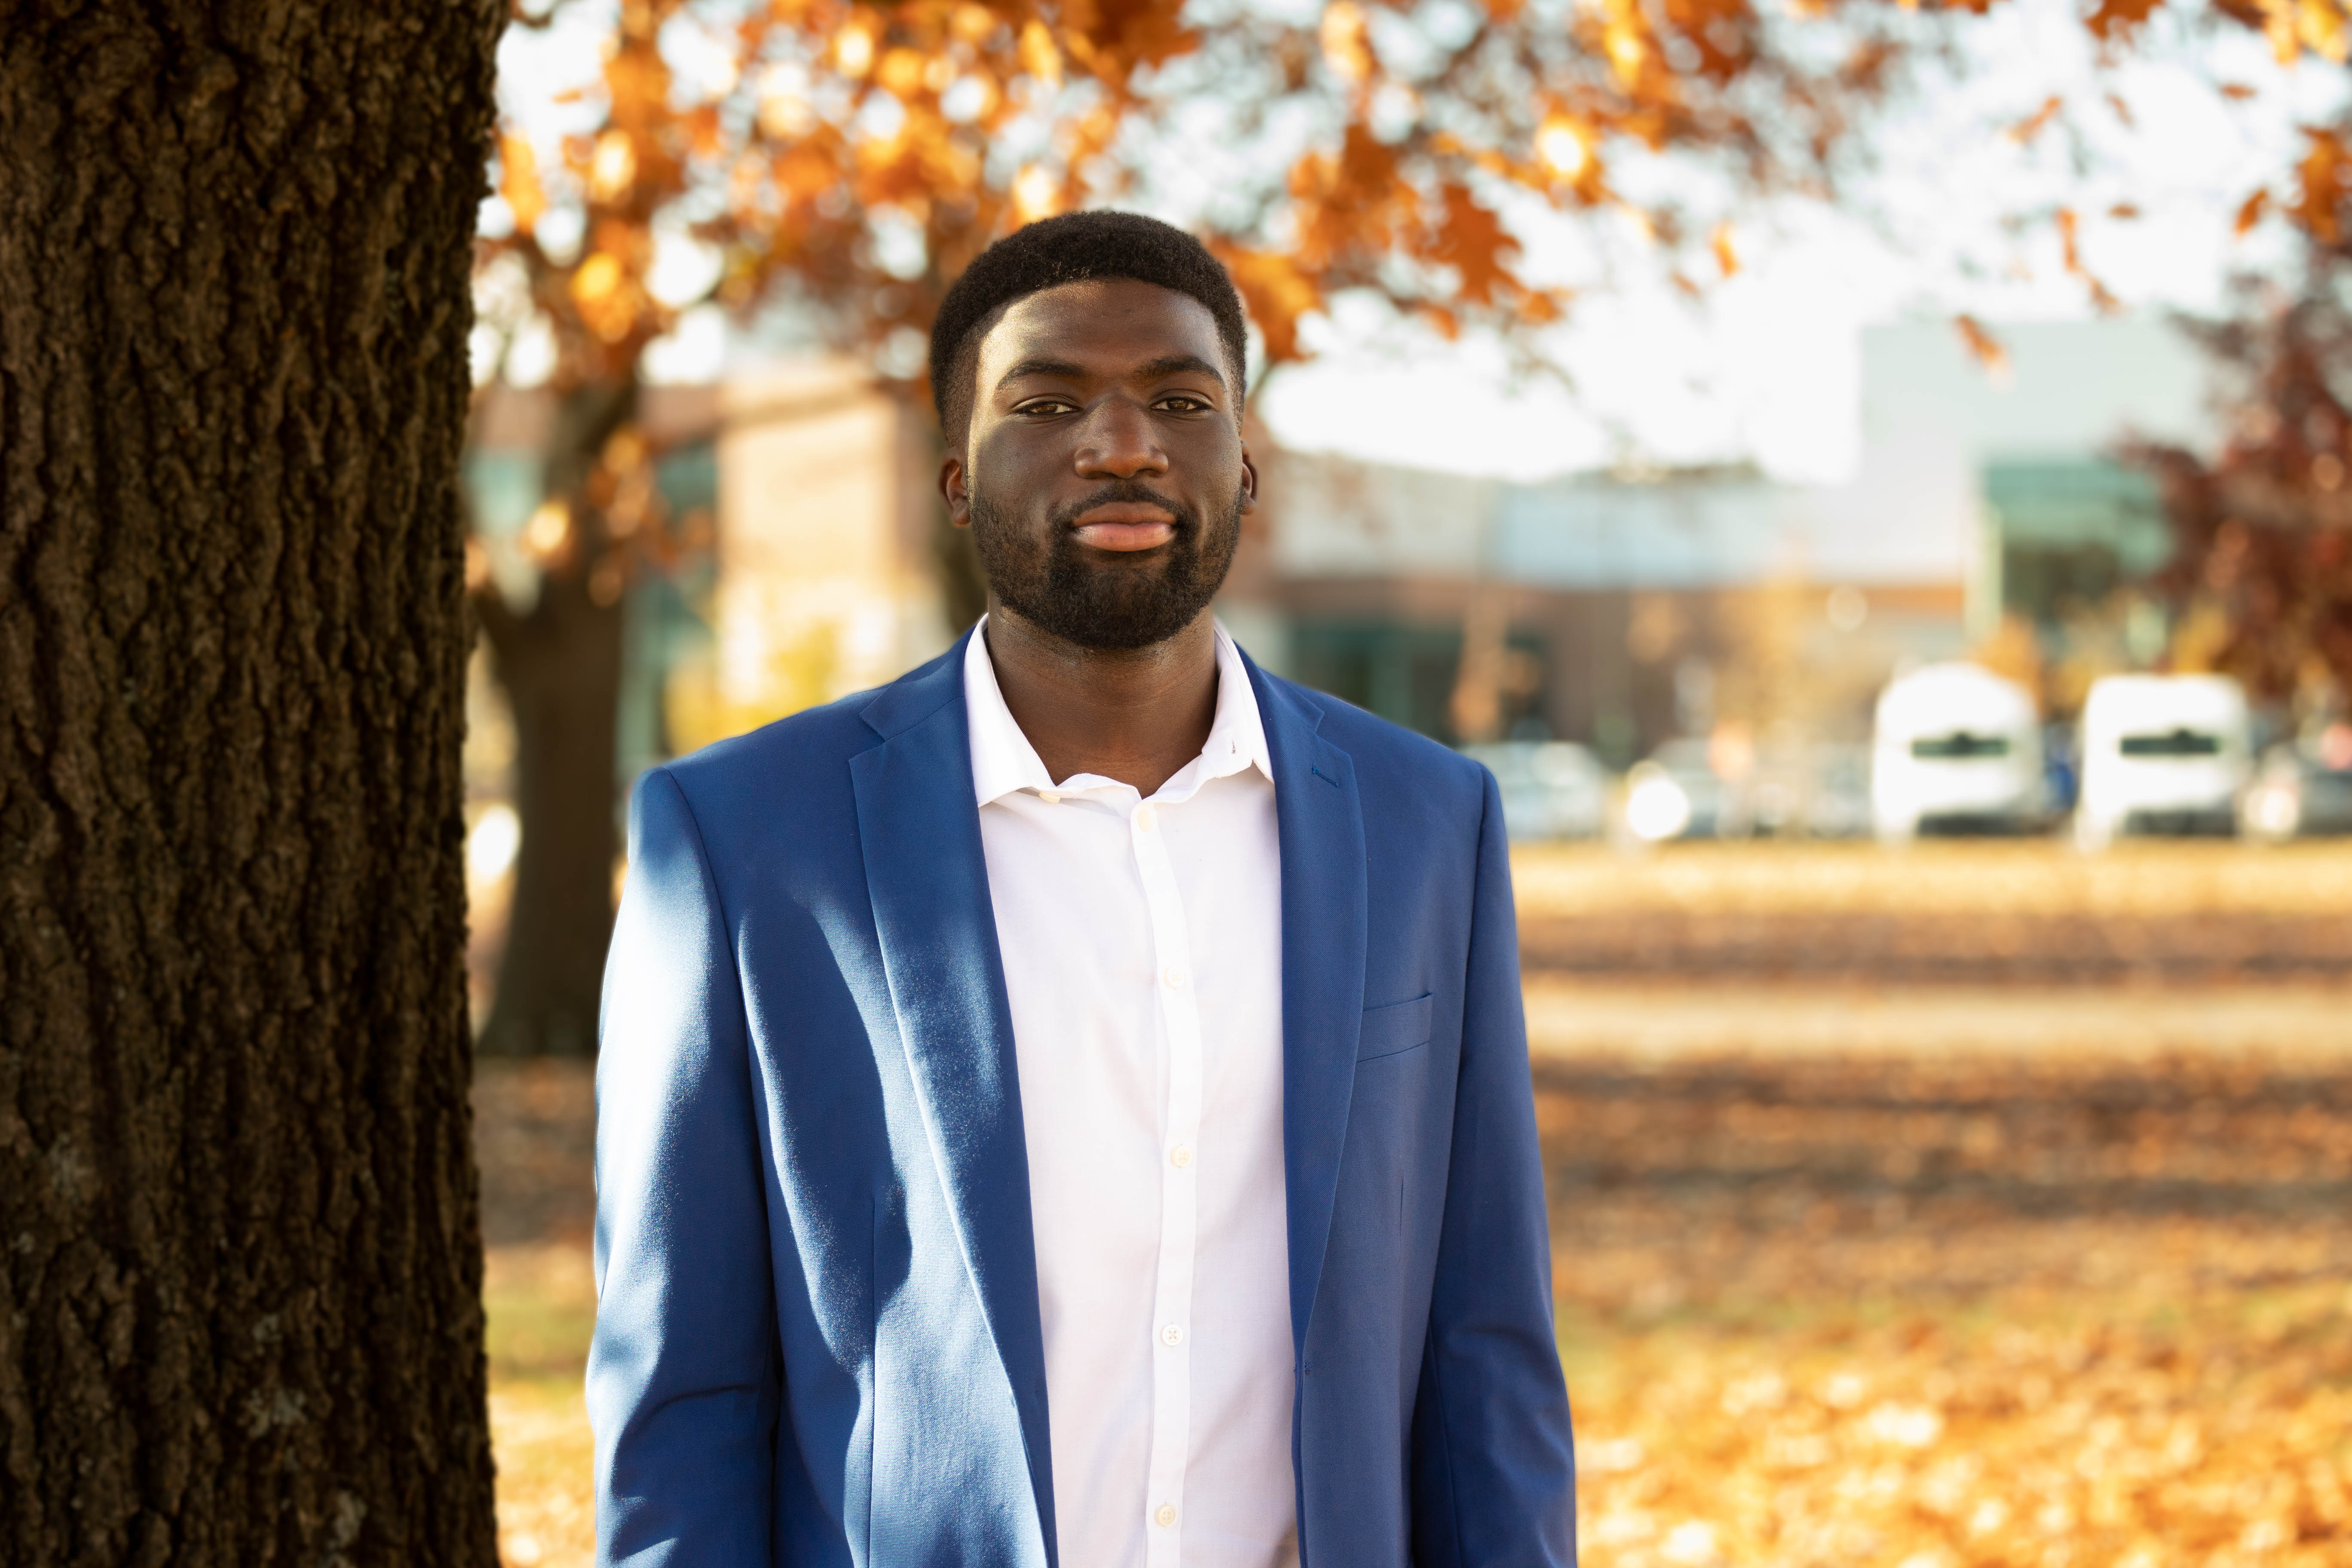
956 490
1249 480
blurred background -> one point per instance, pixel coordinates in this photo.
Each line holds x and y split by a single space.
1869 481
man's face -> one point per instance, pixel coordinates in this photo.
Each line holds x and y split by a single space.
1103 474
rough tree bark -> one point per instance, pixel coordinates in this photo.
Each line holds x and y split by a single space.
560 665
239 1258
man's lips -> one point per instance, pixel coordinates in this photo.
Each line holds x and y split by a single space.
1125 525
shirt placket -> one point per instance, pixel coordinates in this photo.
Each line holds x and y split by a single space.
1171 1325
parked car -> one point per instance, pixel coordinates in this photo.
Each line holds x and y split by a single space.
2301 789
1837 802
1675 793
2162 753
1551 789
1816 790
1956 749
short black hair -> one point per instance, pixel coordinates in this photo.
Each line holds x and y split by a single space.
1072 248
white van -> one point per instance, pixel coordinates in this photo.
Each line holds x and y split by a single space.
2162 753
1957 749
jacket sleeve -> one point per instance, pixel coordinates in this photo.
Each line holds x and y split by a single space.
1494 1472
683 1377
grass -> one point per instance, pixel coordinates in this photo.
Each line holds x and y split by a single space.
1855 1270
541 1304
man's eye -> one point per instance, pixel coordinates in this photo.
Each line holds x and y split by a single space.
1184 402
1047 405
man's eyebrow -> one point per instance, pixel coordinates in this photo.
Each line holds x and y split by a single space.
1172 364
1061 367
1152 370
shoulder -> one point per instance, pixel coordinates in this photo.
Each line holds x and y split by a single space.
1390 762
802 760
788 757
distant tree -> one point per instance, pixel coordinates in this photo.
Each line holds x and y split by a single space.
239 1263
2262 526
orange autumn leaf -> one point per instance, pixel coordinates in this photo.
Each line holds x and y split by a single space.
2114 18
1541 307
1472 240
1277 294
1982 346
2323 179
2033 125
1039 56
1345 47
518 181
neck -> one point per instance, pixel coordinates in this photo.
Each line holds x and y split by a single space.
1136 715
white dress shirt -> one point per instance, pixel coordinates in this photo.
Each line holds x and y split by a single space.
1142 945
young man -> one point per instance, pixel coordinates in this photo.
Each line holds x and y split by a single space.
1071 1106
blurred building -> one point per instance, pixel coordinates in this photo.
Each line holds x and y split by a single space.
798 558
2014 469
1634 606
828 561
1640 606
807 555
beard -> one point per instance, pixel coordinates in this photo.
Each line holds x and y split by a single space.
1107 601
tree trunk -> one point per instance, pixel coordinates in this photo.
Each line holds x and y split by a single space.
240 1289
560 664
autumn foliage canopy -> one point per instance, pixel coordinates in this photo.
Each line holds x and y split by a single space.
852 158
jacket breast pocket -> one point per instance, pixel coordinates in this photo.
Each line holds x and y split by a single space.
1394 1030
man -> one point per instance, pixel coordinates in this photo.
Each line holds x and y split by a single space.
1071 1106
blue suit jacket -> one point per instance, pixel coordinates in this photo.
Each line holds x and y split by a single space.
817 1335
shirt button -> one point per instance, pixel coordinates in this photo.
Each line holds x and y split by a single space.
1144 820
1049 797
1164 1515
1181 1155
1173 976
1171 1336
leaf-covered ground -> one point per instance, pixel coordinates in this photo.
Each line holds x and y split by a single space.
1986 1312
1991 1262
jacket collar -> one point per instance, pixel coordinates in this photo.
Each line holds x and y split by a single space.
925 872
918 694
1003 761
1325 921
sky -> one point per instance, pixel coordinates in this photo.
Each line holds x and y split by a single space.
1765 367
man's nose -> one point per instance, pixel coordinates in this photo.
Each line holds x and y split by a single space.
1118 442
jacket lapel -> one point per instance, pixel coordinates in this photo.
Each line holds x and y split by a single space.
1321 823
927 878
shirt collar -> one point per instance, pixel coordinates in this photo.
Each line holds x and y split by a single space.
1003 761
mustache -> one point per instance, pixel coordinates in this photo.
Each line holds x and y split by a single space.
1132 493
